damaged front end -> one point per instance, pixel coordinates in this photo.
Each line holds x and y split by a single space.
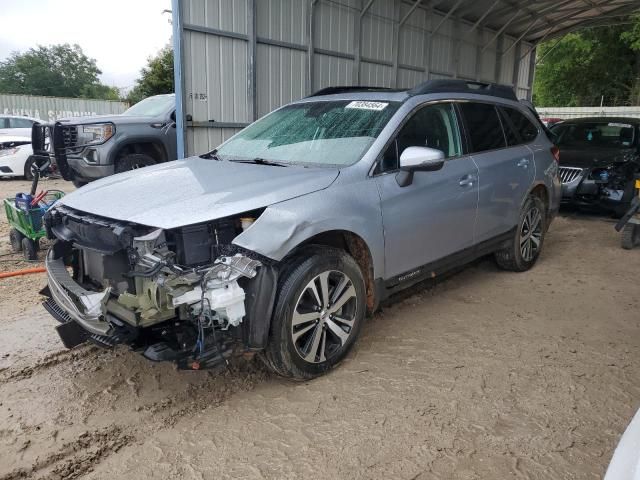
187 295
605 185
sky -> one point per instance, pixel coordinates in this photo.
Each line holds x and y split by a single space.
119 34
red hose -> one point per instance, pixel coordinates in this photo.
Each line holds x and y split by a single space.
26 271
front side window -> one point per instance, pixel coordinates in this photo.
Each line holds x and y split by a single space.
433 126
334 133
483 126
594 134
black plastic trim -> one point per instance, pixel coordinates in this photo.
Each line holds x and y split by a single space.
446 264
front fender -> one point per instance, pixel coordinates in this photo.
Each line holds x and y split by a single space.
353 208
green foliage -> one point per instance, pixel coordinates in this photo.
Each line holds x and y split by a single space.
584 67
156 78
57 71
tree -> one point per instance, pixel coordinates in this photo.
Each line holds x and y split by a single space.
584 67
156 78
58 71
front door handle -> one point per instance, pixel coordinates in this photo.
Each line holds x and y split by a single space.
523 163
467 180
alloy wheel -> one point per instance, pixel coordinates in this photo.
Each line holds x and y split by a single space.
324 316
531 234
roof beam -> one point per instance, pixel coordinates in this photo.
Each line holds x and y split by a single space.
501 31
411 10
481 19
580 23
564 23
446 17
520 38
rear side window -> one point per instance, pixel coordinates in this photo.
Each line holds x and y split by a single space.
4 122
20 123
526 129
510 132
483 126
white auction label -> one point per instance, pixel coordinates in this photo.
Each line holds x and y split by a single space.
362 105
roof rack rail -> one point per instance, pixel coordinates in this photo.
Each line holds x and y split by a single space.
350 89
464 86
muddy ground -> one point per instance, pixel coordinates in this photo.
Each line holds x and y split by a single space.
486 375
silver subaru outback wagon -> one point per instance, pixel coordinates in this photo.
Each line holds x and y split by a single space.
282 240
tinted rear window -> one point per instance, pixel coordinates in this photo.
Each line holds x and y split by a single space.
483 126
527 130
612 134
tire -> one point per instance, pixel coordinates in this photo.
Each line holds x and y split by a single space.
522 252
29 249
133 161
319 340
625 203
630 235
15 237
28 166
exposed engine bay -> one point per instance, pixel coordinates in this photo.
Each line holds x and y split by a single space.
180 295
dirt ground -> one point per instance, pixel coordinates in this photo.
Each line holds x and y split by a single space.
486 375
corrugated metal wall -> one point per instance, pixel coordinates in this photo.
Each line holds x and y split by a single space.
243 58
50 109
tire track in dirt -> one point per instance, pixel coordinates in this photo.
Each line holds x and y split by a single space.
75 458
49 361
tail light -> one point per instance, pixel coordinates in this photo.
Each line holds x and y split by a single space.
555 151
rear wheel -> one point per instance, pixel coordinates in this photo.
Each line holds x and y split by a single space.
30 249
133 161
524 249
15 237
28 168
630 236
319 312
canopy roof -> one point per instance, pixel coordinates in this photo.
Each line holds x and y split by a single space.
539 20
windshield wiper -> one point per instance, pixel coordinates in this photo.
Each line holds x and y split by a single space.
212 155
260 161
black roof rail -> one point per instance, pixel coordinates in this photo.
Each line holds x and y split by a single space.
464 86
351 89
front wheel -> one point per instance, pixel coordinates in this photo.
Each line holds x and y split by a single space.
319 311
133 161
525 247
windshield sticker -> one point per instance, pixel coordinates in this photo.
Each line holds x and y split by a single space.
620 125
361 105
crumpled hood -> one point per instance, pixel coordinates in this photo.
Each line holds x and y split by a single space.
194 190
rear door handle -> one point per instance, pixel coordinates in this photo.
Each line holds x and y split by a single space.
468 180
523 163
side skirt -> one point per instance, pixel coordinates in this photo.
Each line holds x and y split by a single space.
386 288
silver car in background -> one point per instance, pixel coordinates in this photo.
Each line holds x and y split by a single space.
284 238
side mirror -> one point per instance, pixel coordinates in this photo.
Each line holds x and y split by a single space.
418 159
189 118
